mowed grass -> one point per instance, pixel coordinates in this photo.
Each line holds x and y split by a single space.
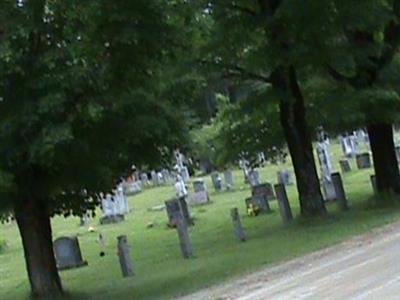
162 273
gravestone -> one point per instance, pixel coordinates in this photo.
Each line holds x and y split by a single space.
200 195
264 189
124 255
285 177
237 225
216 181
144 179
349 146
199 198
363 161
326 169
345 165
258 202
111 210
184 171
175 208
154 178
283 202
132 188
68 253
199 185
184 237
339 191
167 178
229 181
254 177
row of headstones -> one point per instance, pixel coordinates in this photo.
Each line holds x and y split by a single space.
68 254
363 161
283 176
179 215
164 177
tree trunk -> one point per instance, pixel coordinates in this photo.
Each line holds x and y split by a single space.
35 229
293 121
384 157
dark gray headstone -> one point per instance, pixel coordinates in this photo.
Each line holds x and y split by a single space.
68 253
345 165
124 254
229 181
184 237
363 160
258 202
339 191
283 202
175 208
237 225
264 189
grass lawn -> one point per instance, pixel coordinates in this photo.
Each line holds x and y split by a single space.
161 272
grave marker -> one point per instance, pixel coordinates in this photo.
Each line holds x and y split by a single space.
259 202
363 161
339 191
229 181
68 253
237 225
124 254
200 195
175 208
184 238
217 181
345 165
283 202
285 177
264 189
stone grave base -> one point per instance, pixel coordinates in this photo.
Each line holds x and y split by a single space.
112 219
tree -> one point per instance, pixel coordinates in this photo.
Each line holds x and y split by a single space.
80 90
263 41
370 33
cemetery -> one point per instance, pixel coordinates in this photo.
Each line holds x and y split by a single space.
152 259
167 149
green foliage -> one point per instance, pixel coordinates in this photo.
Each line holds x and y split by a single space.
248 127
81 98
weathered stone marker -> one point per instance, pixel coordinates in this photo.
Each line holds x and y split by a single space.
216 181
229 181
339 191
285 177
237 225
124 254
345 165
175 208
283 201
184 238
363 160
264 189
374 185
259 202
68 253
